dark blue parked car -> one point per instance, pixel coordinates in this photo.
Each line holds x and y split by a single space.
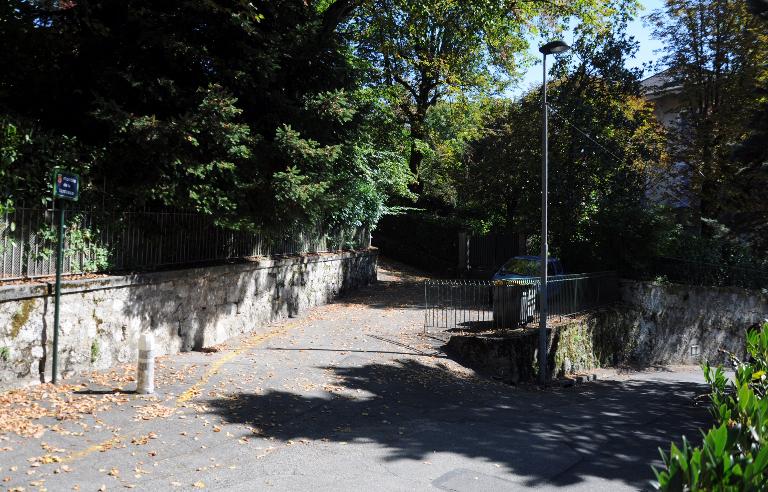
527 267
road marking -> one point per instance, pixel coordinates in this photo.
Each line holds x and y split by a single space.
193 390
103 446
196 388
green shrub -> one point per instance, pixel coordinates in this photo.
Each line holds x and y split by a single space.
734 452
95 351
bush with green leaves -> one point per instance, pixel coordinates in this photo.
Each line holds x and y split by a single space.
256 114
734 452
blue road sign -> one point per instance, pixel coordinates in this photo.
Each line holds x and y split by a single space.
66 185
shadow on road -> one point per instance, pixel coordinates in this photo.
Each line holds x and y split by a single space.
387 294
346 350
609 429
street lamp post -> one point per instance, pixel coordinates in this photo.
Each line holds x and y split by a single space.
551 48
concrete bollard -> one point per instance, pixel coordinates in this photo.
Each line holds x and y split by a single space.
145 374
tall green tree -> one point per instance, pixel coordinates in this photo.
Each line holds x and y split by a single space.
437 49
750 216
252 112
451 127
605 148
717 53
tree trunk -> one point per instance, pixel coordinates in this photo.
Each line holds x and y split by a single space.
417 133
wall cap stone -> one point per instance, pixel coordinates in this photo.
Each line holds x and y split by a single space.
22 291
649 284
42 289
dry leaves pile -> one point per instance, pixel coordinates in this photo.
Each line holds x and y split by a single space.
154 411
121 374
21 409
168 376
73 407
140 440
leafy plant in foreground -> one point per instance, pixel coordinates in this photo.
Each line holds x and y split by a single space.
734 452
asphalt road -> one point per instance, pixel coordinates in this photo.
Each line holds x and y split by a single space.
346 397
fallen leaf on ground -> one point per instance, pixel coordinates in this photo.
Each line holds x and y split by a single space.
154 411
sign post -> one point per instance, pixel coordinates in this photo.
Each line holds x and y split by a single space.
66 186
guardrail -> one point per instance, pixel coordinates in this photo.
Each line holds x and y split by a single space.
475 306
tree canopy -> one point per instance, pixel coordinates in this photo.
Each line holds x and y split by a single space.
275 114
249 111
717 53
606 147
437 49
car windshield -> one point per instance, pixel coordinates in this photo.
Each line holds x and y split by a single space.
521 266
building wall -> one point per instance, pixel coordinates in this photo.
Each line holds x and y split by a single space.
189 309
667 109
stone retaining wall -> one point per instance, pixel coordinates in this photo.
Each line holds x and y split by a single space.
662 323
189 309
681 324
656 324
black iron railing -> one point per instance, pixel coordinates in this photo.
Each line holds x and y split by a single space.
469 305
97 240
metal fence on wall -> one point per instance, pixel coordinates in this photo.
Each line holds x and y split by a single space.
470 305
144 240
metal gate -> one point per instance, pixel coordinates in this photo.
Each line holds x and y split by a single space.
474 306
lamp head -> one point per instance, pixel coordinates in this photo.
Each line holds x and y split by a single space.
554 47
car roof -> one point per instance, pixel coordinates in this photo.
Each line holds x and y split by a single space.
531 257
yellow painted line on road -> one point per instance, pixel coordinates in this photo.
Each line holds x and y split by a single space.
193 390
196 388
103 446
